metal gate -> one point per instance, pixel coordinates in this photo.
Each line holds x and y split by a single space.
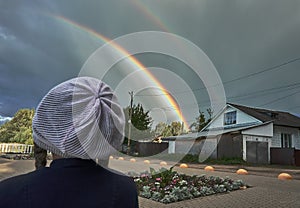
282 156
297 157
257 152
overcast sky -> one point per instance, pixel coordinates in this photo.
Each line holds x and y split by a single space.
254 45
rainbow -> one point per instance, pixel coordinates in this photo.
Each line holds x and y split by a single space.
131 58
149 14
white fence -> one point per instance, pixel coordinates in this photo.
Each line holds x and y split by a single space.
15 148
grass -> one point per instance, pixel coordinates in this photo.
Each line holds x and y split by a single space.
226 161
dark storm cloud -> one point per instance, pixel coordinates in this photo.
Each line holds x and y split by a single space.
241 37
35 53
38 50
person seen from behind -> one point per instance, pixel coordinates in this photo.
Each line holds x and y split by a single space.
81 123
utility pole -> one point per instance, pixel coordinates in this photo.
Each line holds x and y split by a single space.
129 121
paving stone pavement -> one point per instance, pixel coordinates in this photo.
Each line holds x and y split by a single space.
246 198
266 190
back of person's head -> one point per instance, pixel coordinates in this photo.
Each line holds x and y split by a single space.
79 118
40 156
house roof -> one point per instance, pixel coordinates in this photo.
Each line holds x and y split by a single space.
211 133
279 118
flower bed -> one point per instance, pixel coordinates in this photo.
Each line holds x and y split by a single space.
167 186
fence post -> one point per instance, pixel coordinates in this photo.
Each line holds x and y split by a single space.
16 148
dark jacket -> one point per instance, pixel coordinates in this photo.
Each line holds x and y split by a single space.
69 183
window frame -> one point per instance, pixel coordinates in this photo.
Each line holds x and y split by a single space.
230 118
286 140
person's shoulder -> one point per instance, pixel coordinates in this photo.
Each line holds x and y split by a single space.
14 182
14 186
14 190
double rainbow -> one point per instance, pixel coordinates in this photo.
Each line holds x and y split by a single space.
131 58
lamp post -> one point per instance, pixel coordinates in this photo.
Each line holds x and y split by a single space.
129 121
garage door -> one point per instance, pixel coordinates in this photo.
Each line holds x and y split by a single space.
257 152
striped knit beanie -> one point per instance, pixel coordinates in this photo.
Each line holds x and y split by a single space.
79 118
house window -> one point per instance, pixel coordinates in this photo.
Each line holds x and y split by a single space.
230 118
286 140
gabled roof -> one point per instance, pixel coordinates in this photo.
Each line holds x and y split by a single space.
211 133
279 118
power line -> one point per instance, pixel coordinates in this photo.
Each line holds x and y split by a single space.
233 80
169 108
251 94
278 99
247 94
265 70
278 89
144 95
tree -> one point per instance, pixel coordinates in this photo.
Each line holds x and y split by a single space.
201 120
140 122
165 130
141 119
18 129
159 128
176 128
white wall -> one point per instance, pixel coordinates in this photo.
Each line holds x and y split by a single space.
171 148
209 149
183 146
241 118
276 140
263 130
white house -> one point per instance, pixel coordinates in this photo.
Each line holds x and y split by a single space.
256 135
